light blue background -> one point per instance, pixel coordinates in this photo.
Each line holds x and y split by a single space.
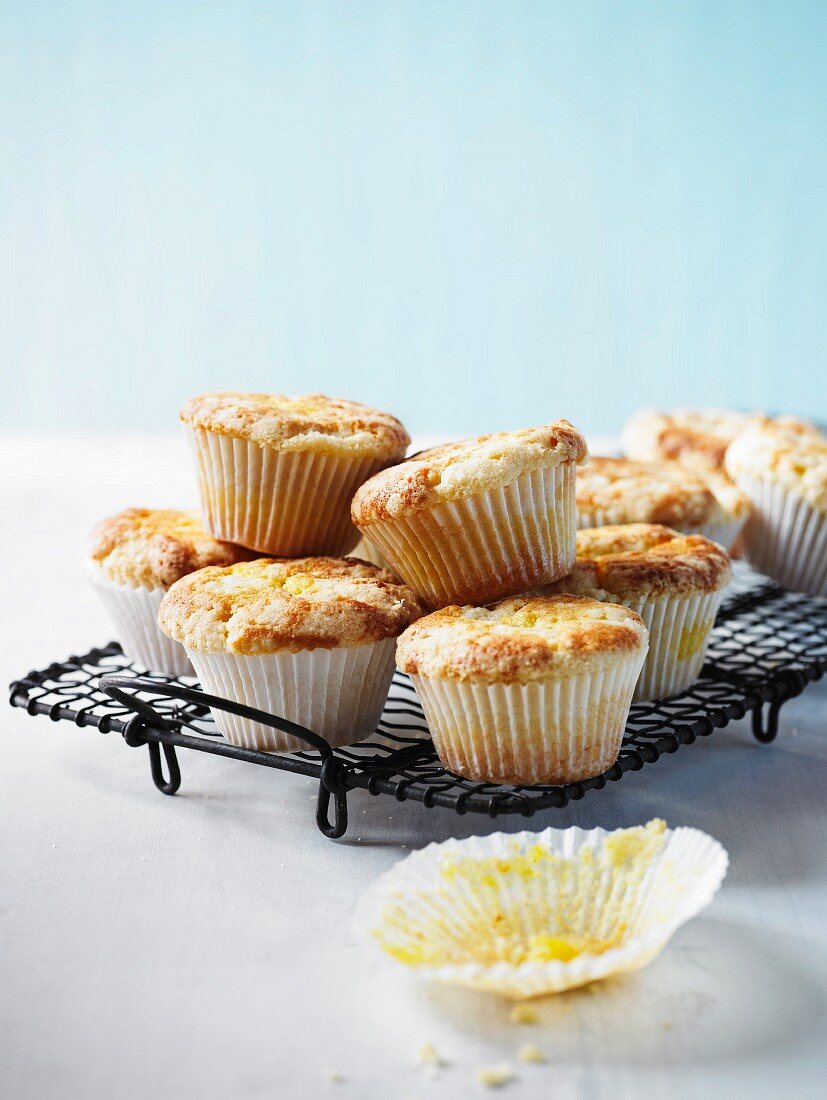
474 215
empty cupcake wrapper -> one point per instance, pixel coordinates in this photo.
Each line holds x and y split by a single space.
485 546
785 537
623 894
337 693
551 732
285 503
134 611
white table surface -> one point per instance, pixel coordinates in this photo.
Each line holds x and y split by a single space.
200 945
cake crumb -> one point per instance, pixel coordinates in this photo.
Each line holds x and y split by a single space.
528 1052
523 1014
428 1055
333 1077
494 1077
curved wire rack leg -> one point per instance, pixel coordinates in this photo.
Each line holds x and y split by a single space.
122 688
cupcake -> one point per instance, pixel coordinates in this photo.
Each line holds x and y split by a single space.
528 691
674 582
619 491
476 520
310 640
695 438
134 557
277 473
783 471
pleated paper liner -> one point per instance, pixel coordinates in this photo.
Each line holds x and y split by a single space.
547 732
530 914
134 613
366 551
725 533
337 693
785 537
679 629
284 503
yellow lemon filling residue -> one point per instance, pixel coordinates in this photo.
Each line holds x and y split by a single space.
299 583
529 905
692 640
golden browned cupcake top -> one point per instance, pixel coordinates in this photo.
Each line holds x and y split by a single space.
794 459
274 605
154 547
644 559
310 423
693 437
462 469
617 490
520 640
696 438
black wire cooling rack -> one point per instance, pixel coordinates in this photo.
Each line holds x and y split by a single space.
767 645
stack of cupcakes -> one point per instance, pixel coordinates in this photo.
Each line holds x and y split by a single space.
259 599
530 595
256 596
515 689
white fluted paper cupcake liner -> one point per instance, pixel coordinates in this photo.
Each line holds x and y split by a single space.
679 629
366 551
337 693
134 613
785 537
725 533
486 546
286 503
455 911
554 732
